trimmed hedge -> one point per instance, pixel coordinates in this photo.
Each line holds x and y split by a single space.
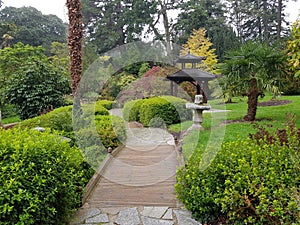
131 110
247 183
110 130
157 111
105 103
41 178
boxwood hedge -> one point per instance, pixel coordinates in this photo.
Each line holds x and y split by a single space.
247 183
157 111
41 178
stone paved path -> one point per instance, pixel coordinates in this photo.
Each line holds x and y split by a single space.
142 215
137 187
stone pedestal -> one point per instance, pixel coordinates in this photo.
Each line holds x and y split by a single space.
197 114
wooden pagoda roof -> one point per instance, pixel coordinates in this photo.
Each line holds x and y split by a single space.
189 58
191 75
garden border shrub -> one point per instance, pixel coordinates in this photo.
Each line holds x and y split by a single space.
41 178
247 183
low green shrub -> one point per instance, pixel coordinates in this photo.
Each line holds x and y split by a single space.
168 109
131 110
247 183
59 119
111 129
8 110
41 178
105 103
96 109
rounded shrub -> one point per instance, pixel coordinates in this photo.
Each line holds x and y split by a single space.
105 103
111 130
247 183
41 178
131 110
96 108
167 108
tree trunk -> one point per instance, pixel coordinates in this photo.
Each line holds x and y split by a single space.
252 100
166 26
75 47
279 19
74 42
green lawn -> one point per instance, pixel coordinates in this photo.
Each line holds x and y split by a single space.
216 131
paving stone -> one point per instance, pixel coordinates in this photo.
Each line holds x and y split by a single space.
168 215
84 214
102 218
92 212
184 218
153 221
154 212
128 217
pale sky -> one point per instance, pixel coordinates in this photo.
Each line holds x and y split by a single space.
57 7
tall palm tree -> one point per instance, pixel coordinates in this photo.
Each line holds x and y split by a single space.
75 46
253 69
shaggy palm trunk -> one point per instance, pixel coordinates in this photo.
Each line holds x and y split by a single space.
75 47
253 94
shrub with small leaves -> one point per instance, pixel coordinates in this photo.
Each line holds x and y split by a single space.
248 182
41 178
131 110
168 109
157 111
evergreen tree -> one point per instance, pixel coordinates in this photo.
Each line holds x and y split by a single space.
208 14
258 19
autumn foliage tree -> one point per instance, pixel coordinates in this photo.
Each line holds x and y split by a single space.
293 48
198 44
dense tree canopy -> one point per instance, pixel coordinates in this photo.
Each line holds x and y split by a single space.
32 27
261 19
30 80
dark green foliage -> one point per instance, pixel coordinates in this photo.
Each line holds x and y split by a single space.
41 178
8 111
34 28
247 183
37 89
157 111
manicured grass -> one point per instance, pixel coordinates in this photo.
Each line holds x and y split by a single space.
271 116
11 120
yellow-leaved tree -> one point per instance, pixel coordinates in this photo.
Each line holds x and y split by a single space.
198 44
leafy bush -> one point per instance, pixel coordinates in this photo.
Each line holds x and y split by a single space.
97 108
157 111
111 130
168 108
247 183
37 88
8 111
59 119
131 110
41 177
105 103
